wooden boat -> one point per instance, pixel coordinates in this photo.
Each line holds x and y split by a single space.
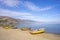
38 31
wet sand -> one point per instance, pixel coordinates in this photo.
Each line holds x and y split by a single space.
17 34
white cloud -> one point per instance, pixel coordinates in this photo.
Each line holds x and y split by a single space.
13 13
30 5
34 7
27 4
46 8
21 15
10 2
28 16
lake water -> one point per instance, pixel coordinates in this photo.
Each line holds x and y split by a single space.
49 28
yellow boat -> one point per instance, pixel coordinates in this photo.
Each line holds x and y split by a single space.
25 29
38 31
6 27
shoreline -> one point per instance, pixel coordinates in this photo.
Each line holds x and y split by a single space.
17 34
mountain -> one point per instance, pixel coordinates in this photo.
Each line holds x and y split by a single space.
9 19
18 22
6 21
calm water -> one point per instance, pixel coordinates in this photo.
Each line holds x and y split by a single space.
49 28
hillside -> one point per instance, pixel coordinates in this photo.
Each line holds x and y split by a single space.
17 22
9 19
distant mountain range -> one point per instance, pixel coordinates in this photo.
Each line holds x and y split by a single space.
14 20
19 21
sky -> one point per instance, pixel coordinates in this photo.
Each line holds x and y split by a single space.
37 10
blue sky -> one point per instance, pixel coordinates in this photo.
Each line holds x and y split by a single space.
38 10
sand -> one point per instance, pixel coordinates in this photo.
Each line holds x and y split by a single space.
17 34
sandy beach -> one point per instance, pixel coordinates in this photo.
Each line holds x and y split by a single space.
17 34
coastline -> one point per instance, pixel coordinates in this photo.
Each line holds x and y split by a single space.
17 34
